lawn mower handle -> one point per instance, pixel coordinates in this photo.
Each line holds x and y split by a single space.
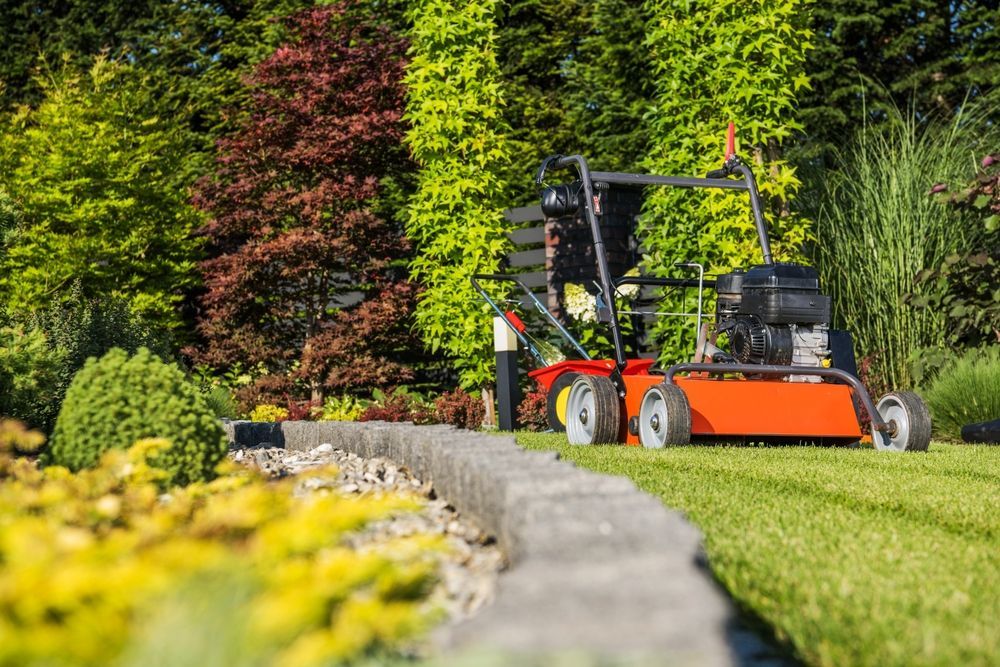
716 179
609 313
752 369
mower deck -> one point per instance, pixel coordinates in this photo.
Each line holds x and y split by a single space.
762 408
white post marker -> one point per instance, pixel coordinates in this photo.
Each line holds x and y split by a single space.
508 391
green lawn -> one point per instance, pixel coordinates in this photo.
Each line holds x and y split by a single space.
854 557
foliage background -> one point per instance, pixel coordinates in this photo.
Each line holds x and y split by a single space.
368 147
716 62
133 98
878 228
99 174
294 229
872 57
457 139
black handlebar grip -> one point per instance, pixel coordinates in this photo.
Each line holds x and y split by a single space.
717 173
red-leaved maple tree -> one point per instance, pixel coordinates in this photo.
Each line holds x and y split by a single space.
305 277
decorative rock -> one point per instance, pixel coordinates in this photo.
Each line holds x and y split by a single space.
471 562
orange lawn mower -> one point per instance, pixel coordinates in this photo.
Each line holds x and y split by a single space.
784 375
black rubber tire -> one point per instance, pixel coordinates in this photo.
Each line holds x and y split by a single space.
562 384
907 406
601 422
668 404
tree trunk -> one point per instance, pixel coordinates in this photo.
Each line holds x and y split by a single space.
315 386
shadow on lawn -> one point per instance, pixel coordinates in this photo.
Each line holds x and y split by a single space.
753 642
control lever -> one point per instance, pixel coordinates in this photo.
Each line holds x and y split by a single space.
731 161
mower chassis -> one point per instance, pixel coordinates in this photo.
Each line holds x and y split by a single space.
764 408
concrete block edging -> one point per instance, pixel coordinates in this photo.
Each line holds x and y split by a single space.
595 564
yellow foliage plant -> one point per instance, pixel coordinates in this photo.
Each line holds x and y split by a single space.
268 413
100 567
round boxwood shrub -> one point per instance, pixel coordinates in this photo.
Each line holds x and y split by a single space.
115 400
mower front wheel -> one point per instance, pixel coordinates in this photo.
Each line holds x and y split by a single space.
664 417
593 413
908 420
557 399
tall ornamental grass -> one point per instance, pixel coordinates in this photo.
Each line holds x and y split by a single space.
966 392
877 227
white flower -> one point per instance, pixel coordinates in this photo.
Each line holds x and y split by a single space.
629 292
579 303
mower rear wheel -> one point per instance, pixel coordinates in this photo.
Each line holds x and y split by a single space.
909 423
556 400
593 413
664 417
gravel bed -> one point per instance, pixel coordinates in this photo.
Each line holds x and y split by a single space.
472 561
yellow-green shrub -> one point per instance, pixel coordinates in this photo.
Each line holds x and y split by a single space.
716 61
115 400
268 413
88 557
344 408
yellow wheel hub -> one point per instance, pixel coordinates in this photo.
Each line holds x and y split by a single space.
561 399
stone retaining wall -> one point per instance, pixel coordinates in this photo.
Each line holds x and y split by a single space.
596 565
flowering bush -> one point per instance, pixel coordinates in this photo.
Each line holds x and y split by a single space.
89 559
581 307
580 304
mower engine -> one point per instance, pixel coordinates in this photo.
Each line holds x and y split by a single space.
775 315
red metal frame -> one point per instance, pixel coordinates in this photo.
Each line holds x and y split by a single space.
546 375
759 408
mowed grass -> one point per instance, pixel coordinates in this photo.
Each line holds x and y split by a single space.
852 556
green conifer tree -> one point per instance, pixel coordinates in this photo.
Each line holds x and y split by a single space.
97 176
